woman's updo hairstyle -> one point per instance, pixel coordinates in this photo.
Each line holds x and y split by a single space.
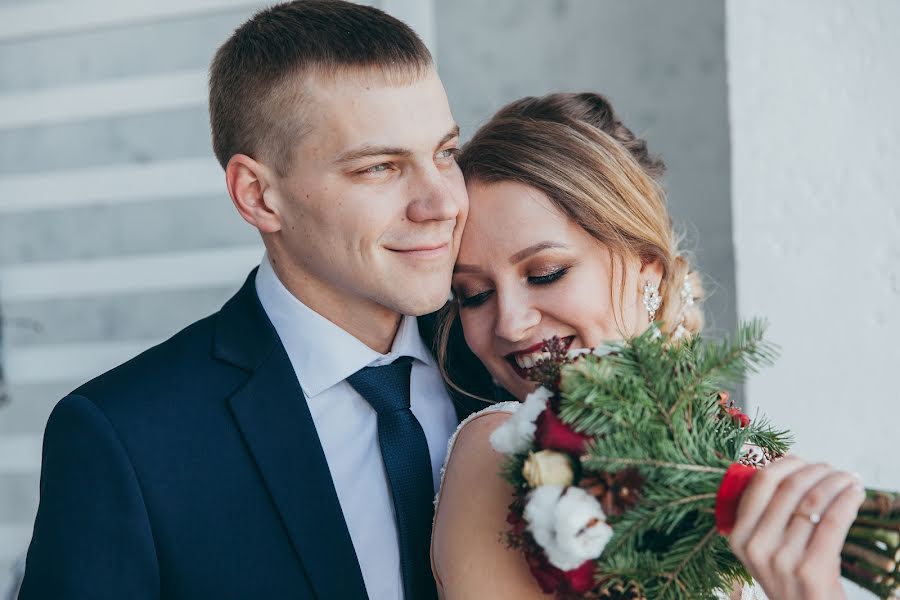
590 108
574 149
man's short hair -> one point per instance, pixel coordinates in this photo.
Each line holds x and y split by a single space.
255 80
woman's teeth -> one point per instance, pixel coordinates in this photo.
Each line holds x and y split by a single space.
526 361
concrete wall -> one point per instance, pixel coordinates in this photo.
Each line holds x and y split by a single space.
816 202
115 227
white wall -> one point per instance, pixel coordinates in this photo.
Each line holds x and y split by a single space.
815 132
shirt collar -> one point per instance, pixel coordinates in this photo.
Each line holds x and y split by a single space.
322 353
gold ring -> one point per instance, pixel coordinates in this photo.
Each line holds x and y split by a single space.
813 518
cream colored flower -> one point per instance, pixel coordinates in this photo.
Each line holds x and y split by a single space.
548 467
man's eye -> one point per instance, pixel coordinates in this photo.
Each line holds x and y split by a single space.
476 300
448 153
380 168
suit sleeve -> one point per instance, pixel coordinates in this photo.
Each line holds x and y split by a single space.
92 536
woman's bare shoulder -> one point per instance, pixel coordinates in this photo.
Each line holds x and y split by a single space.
473 442
472 477
470 555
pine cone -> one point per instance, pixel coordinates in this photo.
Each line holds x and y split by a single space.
616 492
618 591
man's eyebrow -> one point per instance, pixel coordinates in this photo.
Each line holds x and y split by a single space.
515 258
453 133
369 151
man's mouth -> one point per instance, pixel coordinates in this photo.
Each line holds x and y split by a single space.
424 251
524 361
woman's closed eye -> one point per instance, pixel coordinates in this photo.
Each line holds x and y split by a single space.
476 299
473 299
549 277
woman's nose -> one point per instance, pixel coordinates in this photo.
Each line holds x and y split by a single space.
516 317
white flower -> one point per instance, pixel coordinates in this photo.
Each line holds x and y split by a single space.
576 352
568 524
603 350
516 434
754 454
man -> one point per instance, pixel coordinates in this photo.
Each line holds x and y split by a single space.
271 450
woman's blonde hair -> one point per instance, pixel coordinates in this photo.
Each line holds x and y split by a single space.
598 173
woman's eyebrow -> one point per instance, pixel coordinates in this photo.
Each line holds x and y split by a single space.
532 250
515 258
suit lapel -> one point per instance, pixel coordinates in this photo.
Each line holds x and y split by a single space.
275 421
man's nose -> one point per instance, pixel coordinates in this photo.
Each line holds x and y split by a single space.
435 197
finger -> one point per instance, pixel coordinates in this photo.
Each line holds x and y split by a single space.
767 537
773 521
800 528
830 533
819 568
756 497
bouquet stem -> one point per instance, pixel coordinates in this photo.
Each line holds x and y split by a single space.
871 554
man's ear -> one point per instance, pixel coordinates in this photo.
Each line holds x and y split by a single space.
250 185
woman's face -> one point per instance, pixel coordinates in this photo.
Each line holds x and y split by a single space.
526 273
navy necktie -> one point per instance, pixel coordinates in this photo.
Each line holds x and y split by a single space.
408 466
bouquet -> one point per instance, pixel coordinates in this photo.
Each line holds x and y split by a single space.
628 463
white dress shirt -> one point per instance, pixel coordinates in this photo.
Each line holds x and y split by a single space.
323 356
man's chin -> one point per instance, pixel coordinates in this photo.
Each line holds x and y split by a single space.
424 304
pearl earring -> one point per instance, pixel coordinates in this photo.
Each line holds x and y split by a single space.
651 298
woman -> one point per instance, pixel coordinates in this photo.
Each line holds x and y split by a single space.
568 235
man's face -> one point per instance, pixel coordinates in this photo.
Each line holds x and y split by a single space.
373 205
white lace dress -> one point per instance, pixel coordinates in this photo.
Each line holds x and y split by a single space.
750 592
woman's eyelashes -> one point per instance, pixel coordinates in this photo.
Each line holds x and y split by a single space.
549 277
479 298
475 299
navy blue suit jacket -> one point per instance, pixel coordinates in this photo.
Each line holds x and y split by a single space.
192 471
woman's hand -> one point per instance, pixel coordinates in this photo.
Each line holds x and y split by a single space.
791 524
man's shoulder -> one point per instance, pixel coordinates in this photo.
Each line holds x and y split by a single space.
182 366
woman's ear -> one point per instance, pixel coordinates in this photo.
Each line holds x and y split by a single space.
250 185
652 271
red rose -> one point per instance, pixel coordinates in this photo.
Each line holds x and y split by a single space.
552 579
581 580
738 417
736 480
553 434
